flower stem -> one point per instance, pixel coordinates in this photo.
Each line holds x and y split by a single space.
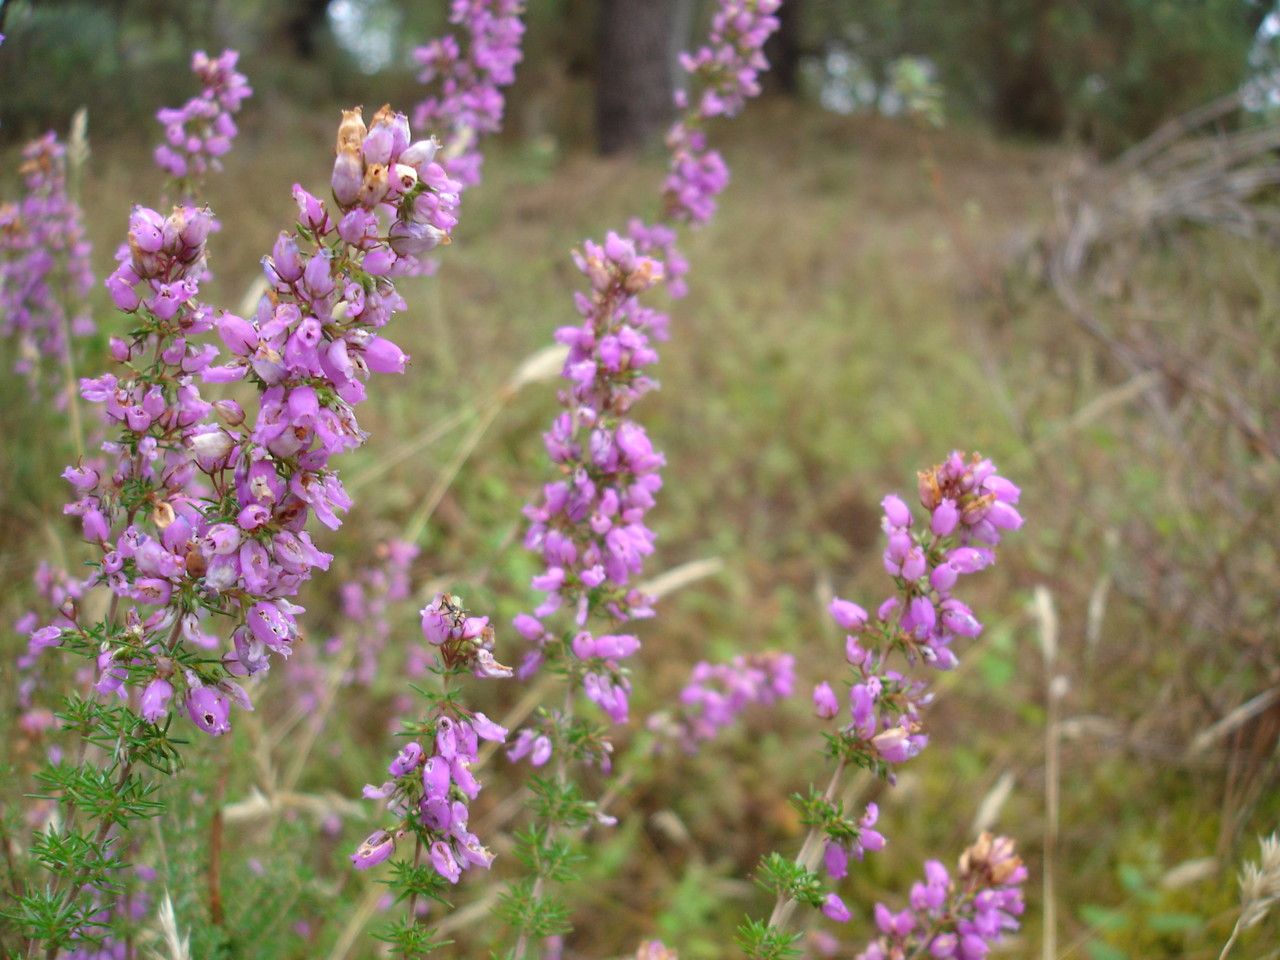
1231 942
562 779
785 906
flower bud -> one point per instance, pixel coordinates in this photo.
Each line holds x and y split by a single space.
286 259
351 131
383 356
229 412
414 239
419 154
210 447
347 177
374 186
154 704
376 148
825 704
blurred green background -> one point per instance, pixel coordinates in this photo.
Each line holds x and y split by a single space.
934 239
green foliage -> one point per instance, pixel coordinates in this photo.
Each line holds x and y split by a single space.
560 803
410 939
829 817
759 941
790 880
529 913
1103 70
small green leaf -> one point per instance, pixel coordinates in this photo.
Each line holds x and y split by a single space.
1103 918
1175 922
1104 951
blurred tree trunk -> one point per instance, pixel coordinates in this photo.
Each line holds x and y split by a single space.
785 49
303 23
680 39
633 72
1026 92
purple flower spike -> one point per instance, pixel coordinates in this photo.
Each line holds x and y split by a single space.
200 132
45 273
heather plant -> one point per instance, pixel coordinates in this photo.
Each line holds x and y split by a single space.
198 514
200 132
466 78
969 507
588 529
45 276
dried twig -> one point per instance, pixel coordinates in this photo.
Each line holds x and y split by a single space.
1236 718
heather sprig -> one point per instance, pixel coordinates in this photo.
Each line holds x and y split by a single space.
45 274
430 787
718 693
721 76
958 918
467 77
588 528
198 518
200 133
969 507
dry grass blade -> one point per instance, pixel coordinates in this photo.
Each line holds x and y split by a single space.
1047 618
410 448
1099 407
1259 889
540 366
1189 872
1098 596
992 804
355 926
1237 717
682 576
252 294
177 946
258 806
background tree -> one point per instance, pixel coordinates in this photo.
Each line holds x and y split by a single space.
785 48
633 71
303 25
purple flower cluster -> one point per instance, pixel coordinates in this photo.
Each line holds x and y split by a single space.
718 693
204 508
725 73
45 276
429 790
200 132
469 102
950 921
969 506
367 600
589 528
